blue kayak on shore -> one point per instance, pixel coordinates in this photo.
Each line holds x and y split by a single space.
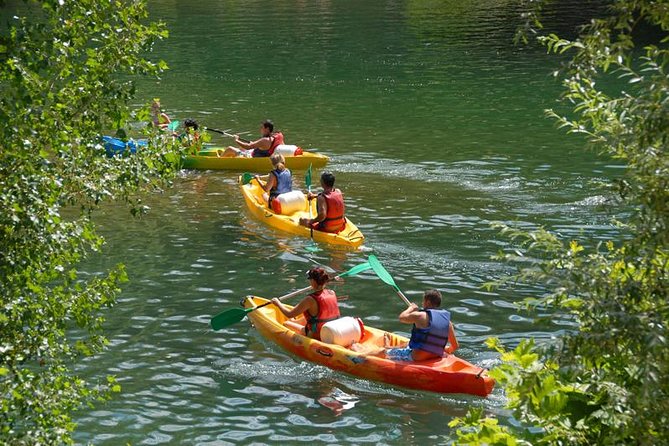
115 146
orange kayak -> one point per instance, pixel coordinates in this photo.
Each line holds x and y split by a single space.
449 374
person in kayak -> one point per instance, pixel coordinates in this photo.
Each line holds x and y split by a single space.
191 135
279 180
319 307
432 331
263 147
158 118
330 207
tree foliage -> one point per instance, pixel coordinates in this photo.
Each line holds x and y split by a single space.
607 382
65 75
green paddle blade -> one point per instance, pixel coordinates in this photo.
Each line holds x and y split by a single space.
313 247
307 178
228 317
381 271
356 270
173 125
246 178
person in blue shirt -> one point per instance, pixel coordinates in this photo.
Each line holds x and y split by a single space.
432 330
279 180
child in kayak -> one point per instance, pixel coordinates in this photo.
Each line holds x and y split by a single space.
319 307
330 207
279 180
432 331
263 147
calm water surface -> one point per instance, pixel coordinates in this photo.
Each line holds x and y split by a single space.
434 122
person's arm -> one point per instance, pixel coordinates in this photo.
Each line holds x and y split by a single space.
306 304
452 339
413 315
271 182
321 209
262 143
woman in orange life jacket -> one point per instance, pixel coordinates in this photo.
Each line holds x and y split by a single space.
318 308
279 180
263 147
330 207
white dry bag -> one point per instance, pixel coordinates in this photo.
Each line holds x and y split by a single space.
343 331
289 202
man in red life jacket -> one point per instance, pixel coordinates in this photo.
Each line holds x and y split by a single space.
263 147
330 207
318 308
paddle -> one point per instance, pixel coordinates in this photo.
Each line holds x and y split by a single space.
307 181
172 126
246 178
234 315
385 276
225 133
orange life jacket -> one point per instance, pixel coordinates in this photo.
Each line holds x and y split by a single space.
334 218
277 139
328 310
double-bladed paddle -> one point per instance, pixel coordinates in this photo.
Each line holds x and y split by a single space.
385 276
234 315
225 133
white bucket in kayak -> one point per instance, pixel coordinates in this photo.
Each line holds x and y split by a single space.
343 331
289 202
288 150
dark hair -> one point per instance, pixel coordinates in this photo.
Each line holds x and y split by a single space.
268 125
433 296
328 179
190 122
319 275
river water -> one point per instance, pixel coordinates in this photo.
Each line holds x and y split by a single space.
434 123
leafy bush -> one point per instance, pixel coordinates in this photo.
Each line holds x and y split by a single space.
608 381
65 75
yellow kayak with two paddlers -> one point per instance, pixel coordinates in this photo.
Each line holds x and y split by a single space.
253 195
208 159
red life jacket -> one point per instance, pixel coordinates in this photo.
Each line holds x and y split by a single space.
277 140
334 219
328 310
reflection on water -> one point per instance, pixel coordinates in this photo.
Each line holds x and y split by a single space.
434 122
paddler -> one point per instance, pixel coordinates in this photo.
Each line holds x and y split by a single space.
329 205
158 118
263 147
319 307
432 331
191 135
279 180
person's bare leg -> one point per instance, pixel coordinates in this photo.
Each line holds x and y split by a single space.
229 152
297 328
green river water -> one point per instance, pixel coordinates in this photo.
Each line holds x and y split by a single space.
434 123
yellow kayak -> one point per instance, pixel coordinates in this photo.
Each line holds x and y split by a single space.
252 192
208 160
449 374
